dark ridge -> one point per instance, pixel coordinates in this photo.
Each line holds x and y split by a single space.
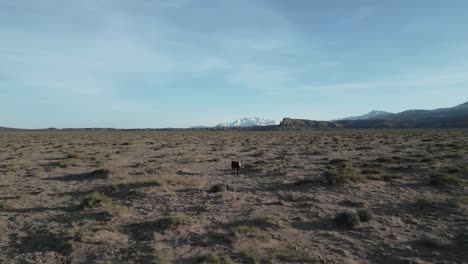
455 117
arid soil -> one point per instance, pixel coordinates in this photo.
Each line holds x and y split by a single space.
170 197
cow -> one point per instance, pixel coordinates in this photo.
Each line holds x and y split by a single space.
236 166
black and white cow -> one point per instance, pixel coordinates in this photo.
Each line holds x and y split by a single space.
236 166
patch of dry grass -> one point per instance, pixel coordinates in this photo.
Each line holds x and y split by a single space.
343 175
427 201
242 232
95 199
458 201
178 181
215 258
445 180
295 253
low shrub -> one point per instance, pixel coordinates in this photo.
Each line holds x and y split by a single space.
348 219
458 201
221 187
365 215
160 258
215 258
343 175
295 253
242 231
444 180
95 199
175 221
427 202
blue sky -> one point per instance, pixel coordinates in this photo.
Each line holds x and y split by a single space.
180 63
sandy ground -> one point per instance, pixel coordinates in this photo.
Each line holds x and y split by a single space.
151 203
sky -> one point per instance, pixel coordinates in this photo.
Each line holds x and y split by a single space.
182 63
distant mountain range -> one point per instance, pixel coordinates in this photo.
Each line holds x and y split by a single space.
375 114
459 110
249 122
453 117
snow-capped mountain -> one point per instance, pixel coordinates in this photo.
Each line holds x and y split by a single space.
248 122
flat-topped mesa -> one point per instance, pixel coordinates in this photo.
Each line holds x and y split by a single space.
304 124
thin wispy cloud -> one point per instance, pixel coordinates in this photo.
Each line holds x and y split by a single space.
434 80
180 60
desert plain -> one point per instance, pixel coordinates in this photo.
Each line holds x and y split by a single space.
356 196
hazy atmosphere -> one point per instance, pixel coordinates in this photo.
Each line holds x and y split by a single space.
182 63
